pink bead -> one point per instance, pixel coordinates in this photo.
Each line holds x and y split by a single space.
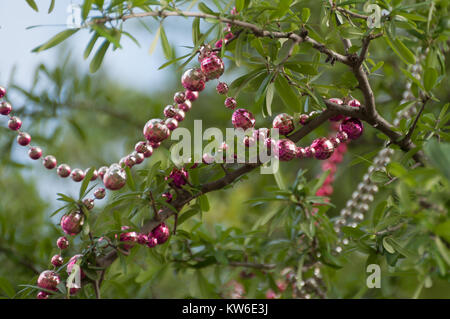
161 233
48 280
335 141
89 203
72 223
286 150
191 95
300 152
155 131
35 153
167 196
230 103
77 175
2 92
193 80
310 152
14 123
23 138
141 147
353 127
171 123
94 174
342 136
57 260
178 176
218 44
62 242
42 295
49 162
142 239
270 294
151 241
63 170
5 108
100 193
284 123
130 161
212 67
129 239
222 88
102 171
139 157
303 119
72 262
249 141
179 115
185 106
179 97
354 103
115 178
149 152
323 147
243 118
170 111
154 145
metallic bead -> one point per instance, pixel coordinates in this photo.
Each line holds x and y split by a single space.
49 162
35 152
77 175
63 170
115 177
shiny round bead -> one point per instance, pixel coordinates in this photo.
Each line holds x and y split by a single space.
204 51
148 153
284 123
57 260
48 280
323 147
286 150
49 162
243 118
335 141
141 147
179 97
42 295
167 196
178 177
300 152
218 44
303 119
193 80
100 193
345 213
62 242
130 161
129 239
179 115
2 92
358 217
5 108
138 156
354 103
310 152
115 177
72 261
77 175
230 103
155 131
94 174
35 152
212 67
342 136
353 127
170 111
142 239
338 249
102 171
63 170
367 198
191 95
89 203
185 106
14 123
72 223
161 233
154 145
222 88
171 123
23 138
151 241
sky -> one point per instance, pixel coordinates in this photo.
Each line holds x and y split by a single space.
133 65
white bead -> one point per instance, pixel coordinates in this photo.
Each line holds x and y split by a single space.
345 241
338 249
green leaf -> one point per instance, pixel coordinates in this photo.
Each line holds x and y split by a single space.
66 198
196 31
238 50
109 34
387 246
439 156
186 215
269 98
286 93
430 78
87 5
52 6
130 180
378 212
86 181
239 5
33 5
205 9
98 58
155 41
90 45
6 287
204 203
401 50
279 179
442 250
168 53
60 37
306 13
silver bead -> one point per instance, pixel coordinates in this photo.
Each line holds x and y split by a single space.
353 225
345 241
338 249
358 217
367 198
345 212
